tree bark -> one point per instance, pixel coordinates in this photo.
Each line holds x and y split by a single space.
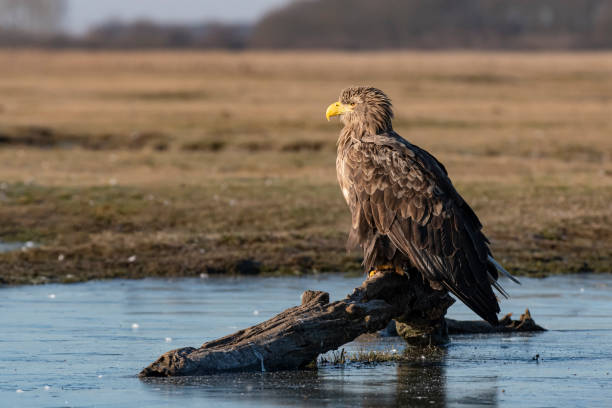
525 323
294 338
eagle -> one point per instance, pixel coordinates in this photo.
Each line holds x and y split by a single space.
405 210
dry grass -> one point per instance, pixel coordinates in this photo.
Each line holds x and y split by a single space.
212 162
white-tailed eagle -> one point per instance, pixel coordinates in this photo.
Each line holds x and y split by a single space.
405 210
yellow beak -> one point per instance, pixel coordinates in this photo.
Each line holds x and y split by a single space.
336 109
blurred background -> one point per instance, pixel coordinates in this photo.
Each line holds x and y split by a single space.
186 138
314 24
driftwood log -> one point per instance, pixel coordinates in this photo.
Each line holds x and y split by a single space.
294 338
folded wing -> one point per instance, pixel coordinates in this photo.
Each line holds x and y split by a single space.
400 191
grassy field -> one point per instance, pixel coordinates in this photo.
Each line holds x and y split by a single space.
183 163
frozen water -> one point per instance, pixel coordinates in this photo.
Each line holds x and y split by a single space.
77 345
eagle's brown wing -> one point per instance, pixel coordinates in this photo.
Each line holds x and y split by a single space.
401 191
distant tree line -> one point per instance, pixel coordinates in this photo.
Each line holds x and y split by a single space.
366 24
39 22
137 35
146 34
339 24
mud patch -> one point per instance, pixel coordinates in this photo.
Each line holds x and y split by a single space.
205 146
165 95
47 138
303 145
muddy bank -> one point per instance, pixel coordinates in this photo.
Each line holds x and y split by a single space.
242 227
206 256
45 137
213 140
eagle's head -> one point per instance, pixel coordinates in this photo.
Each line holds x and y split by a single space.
363 107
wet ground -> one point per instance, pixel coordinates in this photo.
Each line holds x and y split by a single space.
83 345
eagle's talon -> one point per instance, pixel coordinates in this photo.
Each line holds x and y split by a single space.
385 269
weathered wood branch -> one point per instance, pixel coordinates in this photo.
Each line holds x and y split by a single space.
525 323
295 337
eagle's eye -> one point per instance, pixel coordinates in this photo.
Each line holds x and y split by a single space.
353 104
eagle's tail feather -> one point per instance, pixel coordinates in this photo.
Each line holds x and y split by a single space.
497 286
486 311
501 270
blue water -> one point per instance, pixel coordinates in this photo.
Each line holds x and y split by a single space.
84 344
